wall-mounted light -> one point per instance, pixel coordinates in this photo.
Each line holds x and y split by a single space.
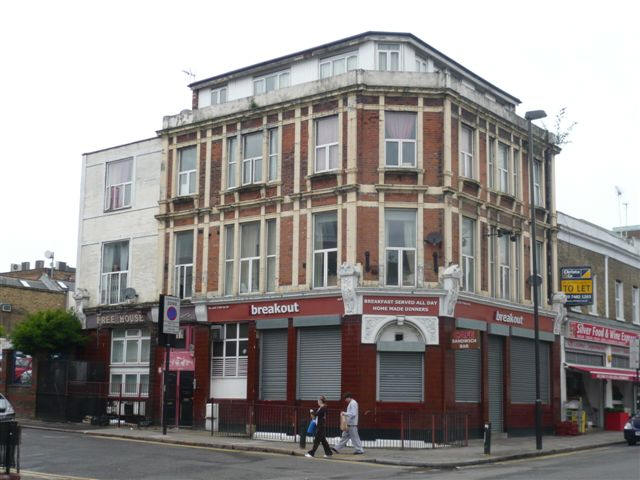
501 232
367 265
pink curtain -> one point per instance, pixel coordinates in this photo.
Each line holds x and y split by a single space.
400 125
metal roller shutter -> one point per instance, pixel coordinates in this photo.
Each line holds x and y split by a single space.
468 375
273 364
496 382
319 362
596 360
400 376
523 373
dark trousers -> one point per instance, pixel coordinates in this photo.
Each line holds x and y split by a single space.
321 437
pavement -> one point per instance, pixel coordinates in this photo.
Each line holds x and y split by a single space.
502 449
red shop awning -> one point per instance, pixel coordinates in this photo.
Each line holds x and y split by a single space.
603 373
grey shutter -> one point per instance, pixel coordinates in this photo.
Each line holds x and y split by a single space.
400 376
523 371
319 362
619 361
496 382
273 364
468 375
594 359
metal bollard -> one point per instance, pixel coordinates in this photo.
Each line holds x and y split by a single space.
303 436
487 438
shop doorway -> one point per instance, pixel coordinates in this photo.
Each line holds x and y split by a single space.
496 383
180 399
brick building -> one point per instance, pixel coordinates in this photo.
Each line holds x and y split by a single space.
315 209
596 337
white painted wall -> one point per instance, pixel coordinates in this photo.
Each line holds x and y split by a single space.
229 387
136 224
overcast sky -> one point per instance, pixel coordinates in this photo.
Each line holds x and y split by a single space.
78 77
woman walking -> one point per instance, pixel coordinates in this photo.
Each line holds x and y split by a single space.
320 414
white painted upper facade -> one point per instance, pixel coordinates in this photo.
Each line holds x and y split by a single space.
372 51
117 228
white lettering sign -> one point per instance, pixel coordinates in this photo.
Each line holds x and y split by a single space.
275 308
509 318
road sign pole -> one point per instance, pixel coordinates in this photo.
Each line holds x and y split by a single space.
167 352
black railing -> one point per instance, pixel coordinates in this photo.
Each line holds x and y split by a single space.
377 428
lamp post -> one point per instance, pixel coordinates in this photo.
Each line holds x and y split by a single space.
530 116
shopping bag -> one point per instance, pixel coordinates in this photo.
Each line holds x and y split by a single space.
313 426
343 423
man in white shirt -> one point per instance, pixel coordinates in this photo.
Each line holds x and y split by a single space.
351 433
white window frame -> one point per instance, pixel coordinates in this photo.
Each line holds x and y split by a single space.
635 305
232 162
329 64
324 252
126 335
181 271
106 278
422 66
468 261
250 260
492 261
387 49
491 162
240 362
324 150
503 167
119 389
282 79
517 270
516 172
229 258
400 142
399 252
255 171
504 246
272 252
274 152
466 158
217 94
619 299
537 185
188 174
121 188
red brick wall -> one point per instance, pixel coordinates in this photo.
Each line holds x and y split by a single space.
202 354
368 146
286 247
367 221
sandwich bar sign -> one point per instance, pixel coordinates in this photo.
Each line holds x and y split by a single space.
577 285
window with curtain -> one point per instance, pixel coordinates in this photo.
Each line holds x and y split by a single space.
252 158
537 185
274 145
466 151
271 255
389 57
183 270
115 268
187 171
119 184
249 257
503 167
325 249
232 162
229 357
400 247
326 144
504 257
491 173
619 300
468 254
400 139
229 257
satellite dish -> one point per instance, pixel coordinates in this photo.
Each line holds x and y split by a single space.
434 238
48 254
129 293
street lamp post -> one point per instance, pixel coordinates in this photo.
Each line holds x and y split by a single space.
535 280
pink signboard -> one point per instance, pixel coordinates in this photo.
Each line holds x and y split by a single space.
601 334
181 360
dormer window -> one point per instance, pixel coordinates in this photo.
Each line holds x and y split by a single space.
389 57
273 81
218 96
338 65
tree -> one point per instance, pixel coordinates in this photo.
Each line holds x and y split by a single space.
562 127
48 332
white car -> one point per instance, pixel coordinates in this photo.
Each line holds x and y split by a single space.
6 409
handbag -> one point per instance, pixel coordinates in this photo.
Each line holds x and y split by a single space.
343 423
313 426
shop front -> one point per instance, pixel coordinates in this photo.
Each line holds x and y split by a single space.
598 380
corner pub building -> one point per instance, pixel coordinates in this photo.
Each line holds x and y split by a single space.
343 214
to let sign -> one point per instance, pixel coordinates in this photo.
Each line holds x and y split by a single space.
577 285
465 340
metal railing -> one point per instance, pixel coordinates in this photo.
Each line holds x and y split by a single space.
377 428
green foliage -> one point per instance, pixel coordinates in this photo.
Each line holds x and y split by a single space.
48 331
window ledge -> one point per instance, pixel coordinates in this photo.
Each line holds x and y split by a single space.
470 180
393 169
328 173
116 210
510 196
184 198
540 208
250 187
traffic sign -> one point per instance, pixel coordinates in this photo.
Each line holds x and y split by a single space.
170 320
